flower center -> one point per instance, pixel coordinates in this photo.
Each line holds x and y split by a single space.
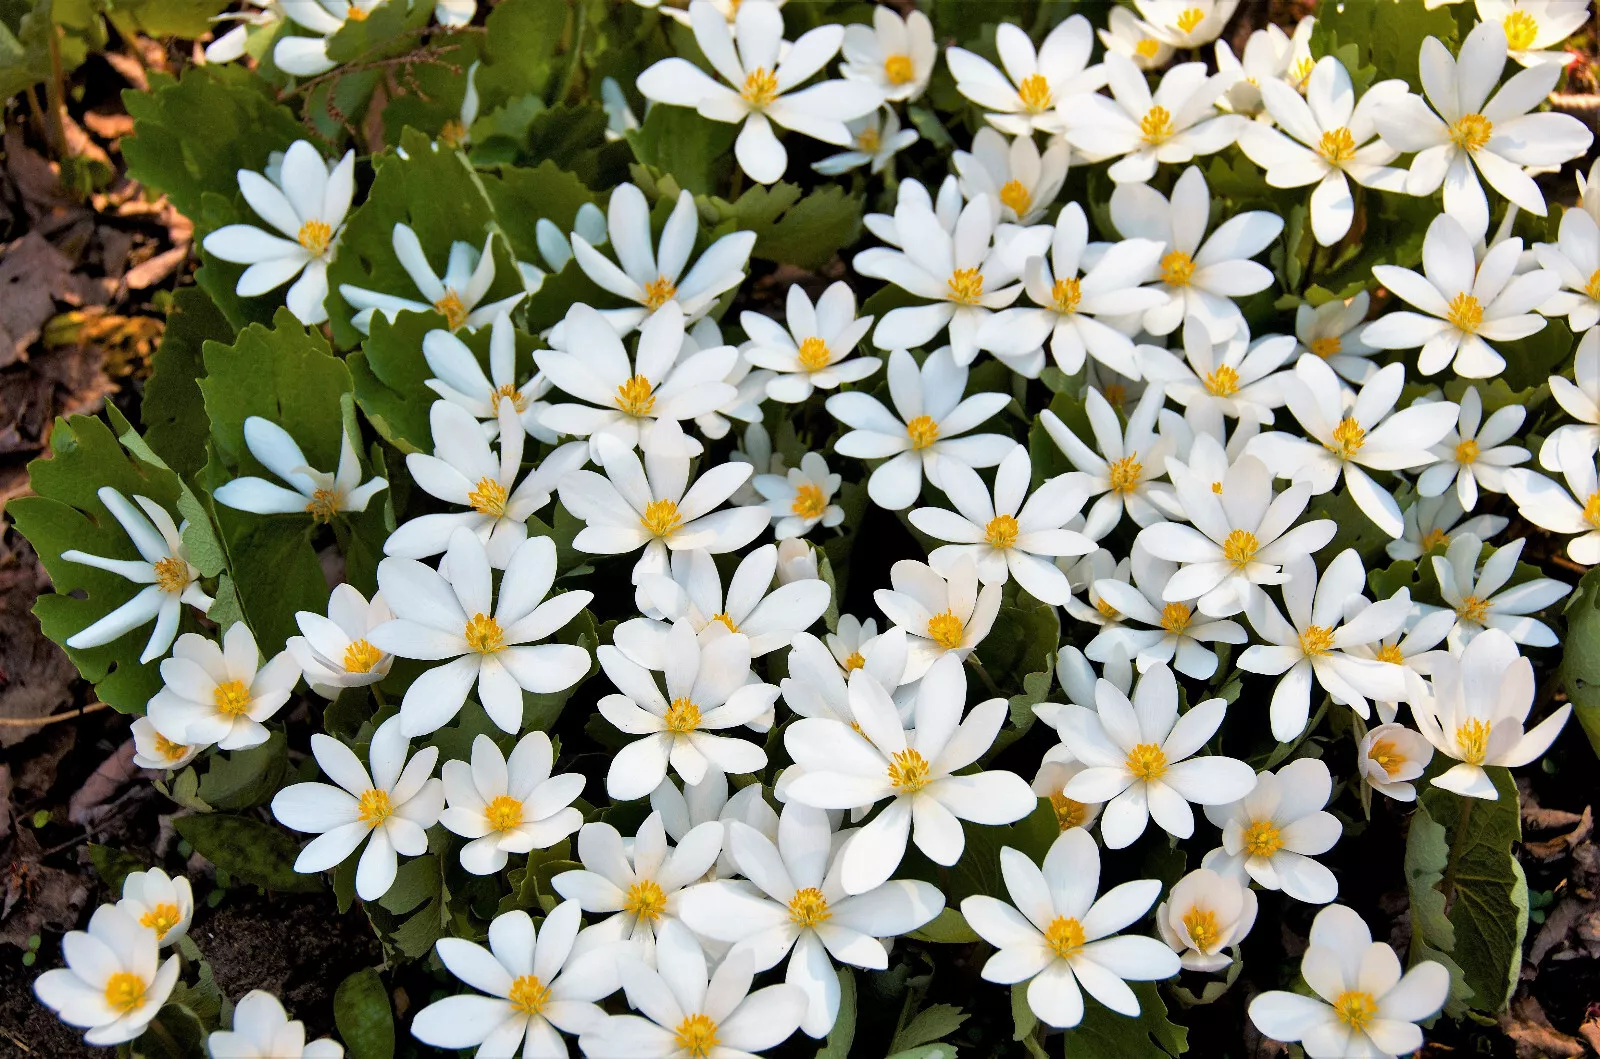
1240 547
657 293
1156 126
1262 838
760 87
908 771
898 69
1473 739
519 400
1387 755
452 309
1355 1009
232 697
922 431
503 813
1125 474
683 716
1177 268
854 661
168 749
809 501
1327 346
125 991
645 900
814 354
1201 925
1115 394
1190 18
1147 762
1471 131
636 397
868 140
965 286
1065 294
1224 382
484 635
1521 29
374 807
1301 73
1434 538
1467 451
1465 313
1175 617
1015 195
161 918
323 504
946 630
808 907
1106 610
528 995
696 1036
316 235
1035 93
1069 812
1390 652
453 133
727 621
355 14
172 574
1337 146
1348 437
1316 640
1064 935
1592 288
361 656
661 517
489 498
1147 48
1001 532
1591 509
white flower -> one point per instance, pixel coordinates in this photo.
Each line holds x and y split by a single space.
768 617
1472 594
797 561
1126 34
537 988
1270 54
646 505
456 133
1124 472
463 471
264 19
1349 434
1412 647
1466 128
620 119
221 695
1055 772
153 750
1271 834
840 768
1234 379
1580 400
459 379
1187 23
749 384
159 901
1463 303
1239 538
688 1013
508 805
452 614
1023 99
1018 181
875 139
163 567
924 433
308 56
1059 937
942 613
964 274
1474 711
1142 131
1532 26
1176 639
1573 510
306 201
333 651
1326 616
1199 274
709 688
622 399
815 686
1089 572
1204 914
263 1030
590 223
1141 757
894 55
1575 257
1332 331
764 71
811 352
1474 454
1390 757
467 278
683 811
1363 1006
1069 305
801 499
794 903
1337 143
1009 537
640 880
1431 522
394 804
651 277
111 983
316 493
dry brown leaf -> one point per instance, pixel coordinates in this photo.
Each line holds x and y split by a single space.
32 271
1551 848
156 269
1533 1035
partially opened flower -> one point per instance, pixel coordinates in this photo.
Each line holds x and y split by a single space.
162 902
1177 636
1018 181
508 805
1186 23
1475 453
802 498
1413 646
1363 1004
306 201
811 352
895 55
1061 939
1127 34
153 750
942 613
459 379
458 295
1476 598
1332 331
316 493
1390 757
1579 397
1571 510
1269 54
1125 465
815 686
1203 915
221 694
111 984
1271 834
333 652
1575 257
307 56
390 809
1432 522
874 141
1141 130
263 1030
1233 379
1022 100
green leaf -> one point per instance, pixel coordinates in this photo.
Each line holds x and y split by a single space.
416 935
379 34
697 152
25 30
113 865
250 849
1391 30
1580 659
931 1024
174 417
362 1013
1104 1034
1433 936
521 37
949 927
843 1033
242 779
803 231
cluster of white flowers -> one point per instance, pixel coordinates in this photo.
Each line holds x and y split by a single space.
1193 522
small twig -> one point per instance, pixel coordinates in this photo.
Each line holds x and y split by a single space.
40 722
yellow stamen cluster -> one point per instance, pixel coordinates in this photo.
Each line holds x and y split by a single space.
636 397
488 497
355 14
1471 132
1190 18
922 431
168 749
661 517
1472 739
965 286
1201 926
361 656
1467 451
1355 1009
908 771
324 503
1337 146
162 918
814 354
484 635
1065 936
946 630
696 1036
1434 539
503 813
1224 382
868 140
1387 755
1177 269
528 995
374 807
1147 48
1106 610
1069 812
854 661
1592 288
1175 617
1348 437
1465 313
1390 652
683 716
1521 30
1262 838
760 87
1001 532
727 621
808 907
452 309
231 697
1591 509
809 501
1035 93
1125 474
124 992
1065 294
1473 609
519 400
1316 640
1156 126
1147 762
1326 346
645 900
659 292
1240 547
898 69
172 574
1015 194
315 237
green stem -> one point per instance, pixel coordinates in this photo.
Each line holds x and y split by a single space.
575 57
983 675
